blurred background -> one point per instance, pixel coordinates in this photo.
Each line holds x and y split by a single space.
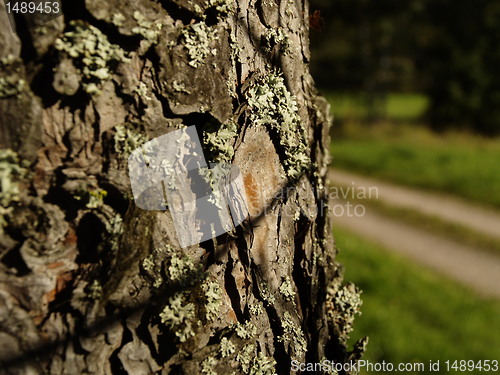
414 88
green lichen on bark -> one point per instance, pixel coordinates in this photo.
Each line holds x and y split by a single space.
222 7
94 290
286 289
208 366
343 304
11 86
10 83
118 19
11 172
262 365
245 357
114 228
276 38
180 266
95 57
246 331
213 300
148 30
293 335
179 316
96 198
273 106
219 143
198 41
253 364
226 347
127 139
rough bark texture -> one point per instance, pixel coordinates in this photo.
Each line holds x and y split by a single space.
91 284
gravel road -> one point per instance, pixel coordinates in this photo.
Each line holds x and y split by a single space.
471 266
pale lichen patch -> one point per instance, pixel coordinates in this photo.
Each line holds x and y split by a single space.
226 347
96 198
95 290
272 105
246 331
213 300
293 335
127 140
153 264
11 86
318 179
142 91
118 19
115 228
255 309
180 267
199 40
286 289
343 304
208 366
245 357
266 294
220 143
180 87
262 365
95 57
148 263
148 30
253 364
11 172
178 315
8 60
276 37
223 7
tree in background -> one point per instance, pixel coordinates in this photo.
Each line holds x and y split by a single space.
365 48
460 61
92 284
445 49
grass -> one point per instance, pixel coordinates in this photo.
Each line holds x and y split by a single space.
461 164
413 315
396 106
408 106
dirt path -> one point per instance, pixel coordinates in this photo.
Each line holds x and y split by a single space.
468 265
453 210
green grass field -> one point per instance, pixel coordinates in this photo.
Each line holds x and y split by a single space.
414 315
396 106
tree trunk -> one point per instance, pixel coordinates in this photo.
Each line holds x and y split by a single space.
93 284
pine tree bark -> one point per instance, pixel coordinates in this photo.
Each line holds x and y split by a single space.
92 284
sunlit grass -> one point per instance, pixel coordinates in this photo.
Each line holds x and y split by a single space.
413 315
396 106
406 106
